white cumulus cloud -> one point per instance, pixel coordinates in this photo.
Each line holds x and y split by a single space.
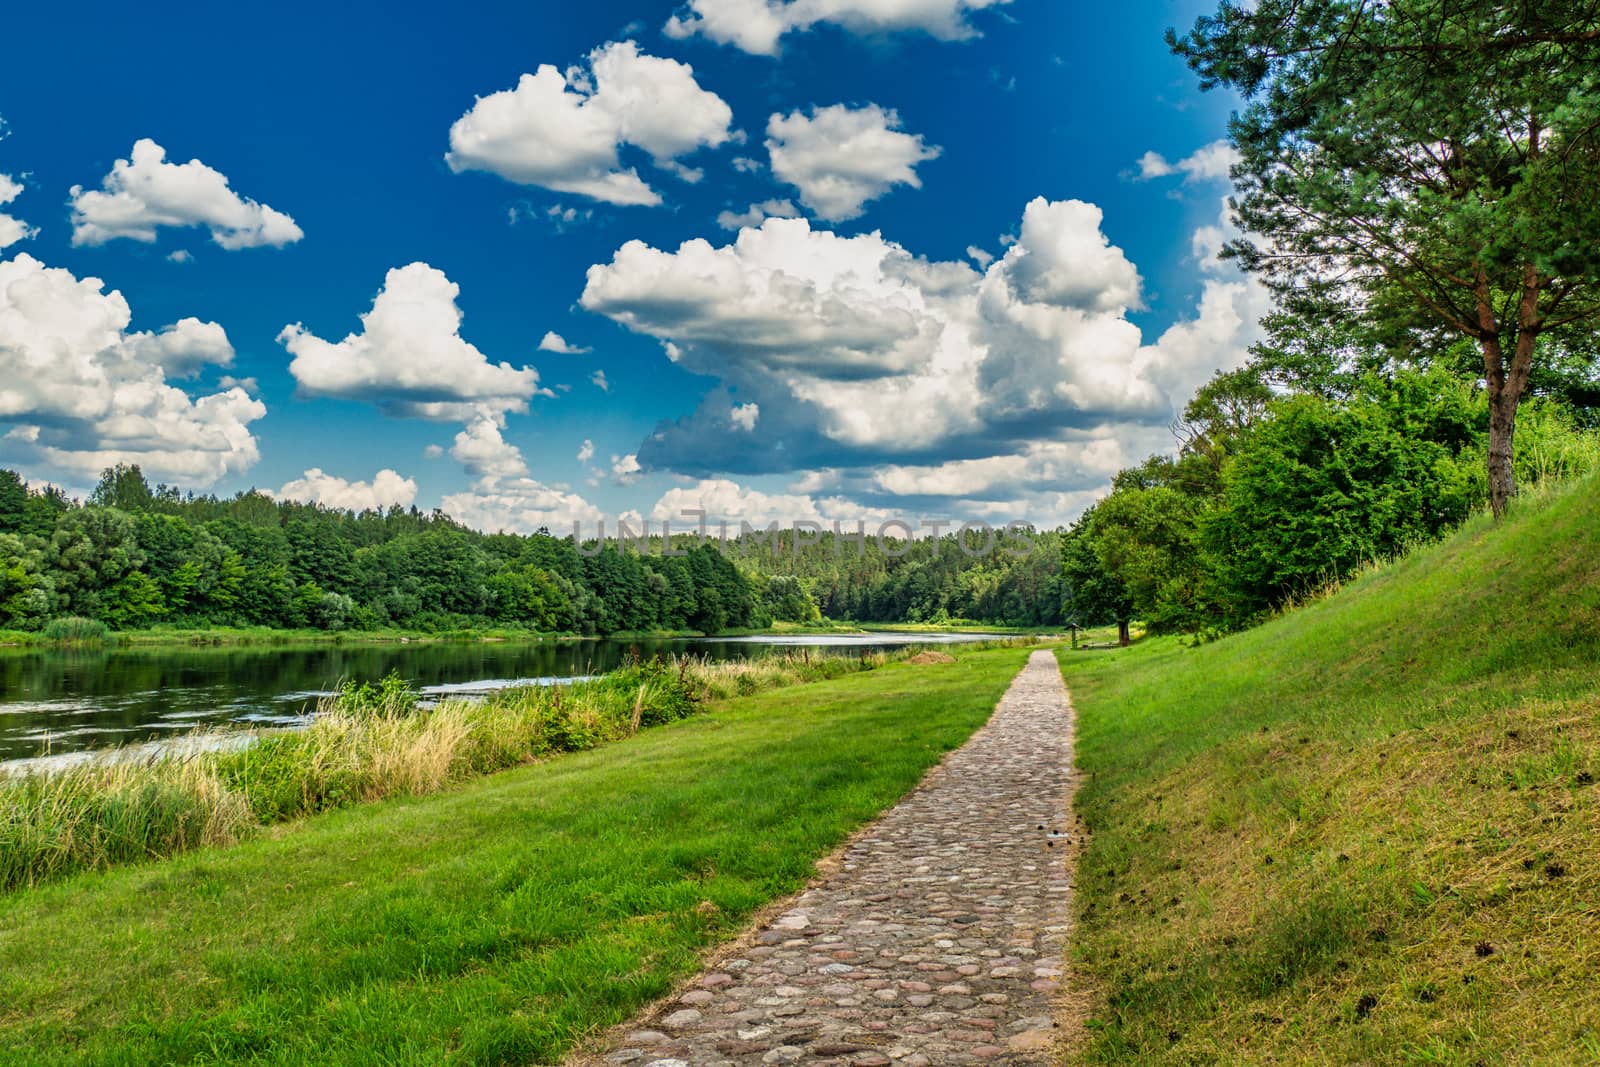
80 393
586 451
145 192
726 501
410 358
481 449
756 214
521 505
625 469
184 348
554 342
756 26
562 131
744 416
841 157
917 378
12 229
386 490
1208 163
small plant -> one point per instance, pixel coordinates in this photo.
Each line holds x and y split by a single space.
392 695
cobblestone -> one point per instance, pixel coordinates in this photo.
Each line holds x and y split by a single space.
937 941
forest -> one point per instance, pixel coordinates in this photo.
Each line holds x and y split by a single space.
1286 475
132 557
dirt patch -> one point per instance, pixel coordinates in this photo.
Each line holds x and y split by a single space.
932 657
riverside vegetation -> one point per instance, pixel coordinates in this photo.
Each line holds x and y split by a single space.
498 921
370 742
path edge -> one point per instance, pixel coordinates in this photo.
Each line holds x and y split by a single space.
590 1050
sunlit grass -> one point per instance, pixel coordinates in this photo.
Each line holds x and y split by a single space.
495 922
1365 832
111 811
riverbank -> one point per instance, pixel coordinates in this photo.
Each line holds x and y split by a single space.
497 922
366 743
1367 831
266 637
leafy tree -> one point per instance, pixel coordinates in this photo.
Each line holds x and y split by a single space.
43 511
1147 537
1222 413
134 601
1437 154
1324 487
1094 595
122 487
92 550
25 588
786 599
13 501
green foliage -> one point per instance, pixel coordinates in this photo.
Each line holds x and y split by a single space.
75 631
122 487
1321 489
1428 167
1272 500
393 695
786 600
13 502
136 557
368 742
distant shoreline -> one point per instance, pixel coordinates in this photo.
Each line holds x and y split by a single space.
244 637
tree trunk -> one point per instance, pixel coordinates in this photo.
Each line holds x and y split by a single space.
1122 633
1506 384
1502 431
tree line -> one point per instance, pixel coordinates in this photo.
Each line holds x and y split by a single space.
132 556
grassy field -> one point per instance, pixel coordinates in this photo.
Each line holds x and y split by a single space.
1367 832
495 923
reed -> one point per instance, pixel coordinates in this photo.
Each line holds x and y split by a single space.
367 743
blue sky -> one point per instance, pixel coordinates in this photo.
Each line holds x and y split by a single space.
813 370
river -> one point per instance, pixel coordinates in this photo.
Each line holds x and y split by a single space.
61 701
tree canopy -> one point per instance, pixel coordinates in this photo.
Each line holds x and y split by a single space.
1429 164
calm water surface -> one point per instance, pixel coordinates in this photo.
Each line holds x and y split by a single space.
65 701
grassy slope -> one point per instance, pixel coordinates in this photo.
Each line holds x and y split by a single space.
1365 832
493 924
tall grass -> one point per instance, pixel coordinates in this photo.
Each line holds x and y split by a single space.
75 631
367 743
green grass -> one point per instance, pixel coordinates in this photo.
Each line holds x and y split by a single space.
366 744
1364 832
495 923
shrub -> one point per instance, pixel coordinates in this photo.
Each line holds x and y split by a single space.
77 631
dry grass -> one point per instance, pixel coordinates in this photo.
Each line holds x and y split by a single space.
1429 894
365 746
1367 832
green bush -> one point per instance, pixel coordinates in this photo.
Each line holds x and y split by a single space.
77 631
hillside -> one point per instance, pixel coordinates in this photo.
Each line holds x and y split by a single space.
1364 832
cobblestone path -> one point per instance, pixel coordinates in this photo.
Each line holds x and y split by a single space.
938 940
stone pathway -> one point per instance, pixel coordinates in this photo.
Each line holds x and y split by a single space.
938 940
